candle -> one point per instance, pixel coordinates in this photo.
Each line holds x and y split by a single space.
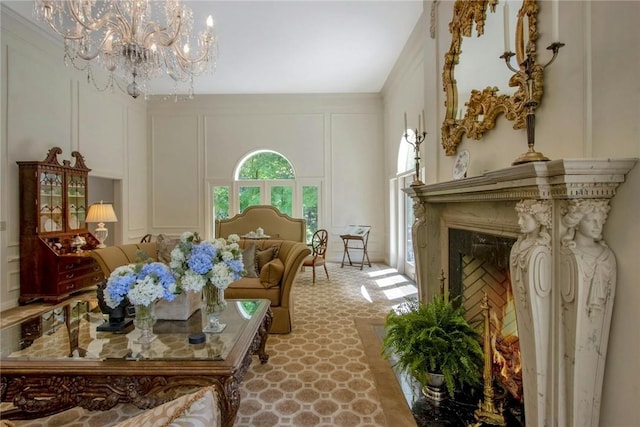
424 123
507 36
419 123
405 122
556 22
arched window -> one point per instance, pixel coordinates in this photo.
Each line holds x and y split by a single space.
265 177
406 160
265 165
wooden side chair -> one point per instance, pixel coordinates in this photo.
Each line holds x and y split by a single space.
318 253
146 238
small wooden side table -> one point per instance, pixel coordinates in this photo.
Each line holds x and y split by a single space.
355 234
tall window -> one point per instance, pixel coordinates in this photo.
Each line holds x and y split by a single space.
310 199
268 178
221 202
402 206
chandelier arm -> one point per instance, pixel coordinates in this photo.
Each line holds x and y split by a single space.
80 18
161 36
79 54
126 27
203 53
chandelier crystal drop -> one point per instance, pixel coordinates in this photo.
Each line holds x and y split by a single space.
135 40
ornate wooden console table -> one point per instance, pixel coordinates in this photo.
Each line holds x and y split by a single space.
56 360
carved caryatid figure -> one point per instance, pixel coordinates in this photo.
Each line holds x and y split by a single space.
588 272
585 220
534 219
530 267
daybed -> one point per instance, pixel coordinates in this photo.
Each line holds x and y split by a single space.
274 223
273 282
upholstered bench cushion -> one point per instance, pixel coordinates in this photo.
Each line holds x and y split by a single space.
199 409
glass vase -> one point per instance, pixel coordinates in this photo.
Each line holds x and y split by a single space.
144 321
213 304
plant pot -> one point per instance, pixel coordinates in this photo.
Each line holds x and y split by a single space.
435 388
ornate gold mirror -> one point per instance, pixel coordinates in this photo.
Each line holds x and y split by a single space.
506 92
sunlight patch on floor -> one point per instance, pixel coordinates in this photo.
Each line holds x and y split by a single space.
390 281
383 272
401 292
365 293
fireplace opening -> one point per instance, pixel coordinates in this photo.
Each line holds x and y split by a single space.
479 264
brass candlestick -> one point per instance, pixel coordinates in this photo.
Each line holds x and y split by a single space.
487 412
419 135
527 70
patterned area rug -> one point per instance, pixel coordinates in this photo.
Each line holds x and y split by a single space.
327 372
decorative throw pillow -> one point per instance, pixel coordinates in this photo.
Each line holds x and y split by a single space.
199 409
263 256
249 260
165 246
272 273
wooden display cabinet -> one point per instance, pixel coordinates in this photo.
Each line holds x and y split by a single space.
54 236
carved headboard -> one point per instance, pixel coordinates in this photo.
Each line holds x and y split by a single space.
275 224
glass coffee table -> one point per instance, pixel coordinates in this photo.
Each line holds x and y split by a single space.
56 360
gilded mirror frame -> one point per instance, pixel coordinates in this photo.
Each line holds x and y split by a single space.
487 102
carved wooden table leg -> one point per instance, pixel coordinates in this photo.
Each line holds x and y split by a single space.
262 335
229 401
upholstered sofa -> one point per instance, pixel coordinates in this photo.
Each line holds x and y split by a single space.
273 281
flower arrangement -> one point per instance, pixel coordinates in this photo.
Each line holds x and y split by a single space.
195 262
142 284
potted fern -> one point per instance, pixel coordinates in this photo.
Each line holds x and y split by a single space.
435 338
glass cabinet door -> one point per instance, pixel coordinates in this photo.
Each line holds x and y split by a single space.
76 201
50 202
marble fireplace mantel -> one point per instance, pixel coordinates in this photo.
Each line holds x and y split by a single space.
563 273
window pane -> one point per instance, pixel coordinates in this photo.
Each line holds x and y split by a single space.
221 202
281 198
248 196
310 209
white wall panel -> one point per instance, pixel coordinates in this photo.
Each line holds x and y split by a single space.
356 144
38 105
176 183
137 175
298 137
101 132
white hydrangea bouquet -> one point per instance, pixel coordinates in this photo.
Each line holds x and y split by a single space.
142 284
196 263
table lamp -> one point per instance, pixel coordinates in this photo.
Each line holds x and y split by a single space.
101 213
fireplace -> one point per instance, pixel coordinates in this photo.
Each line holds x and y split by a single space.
562 305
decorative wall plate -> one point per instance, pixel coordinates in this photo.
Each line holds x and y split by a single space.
461 164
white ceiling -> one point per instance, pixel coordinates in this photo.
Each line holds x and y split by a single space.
301 46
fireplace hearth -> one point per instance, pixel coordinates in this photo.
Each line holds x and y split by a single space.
561 272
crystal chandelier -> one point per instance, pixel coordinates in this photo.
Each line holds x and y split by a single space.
135 40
